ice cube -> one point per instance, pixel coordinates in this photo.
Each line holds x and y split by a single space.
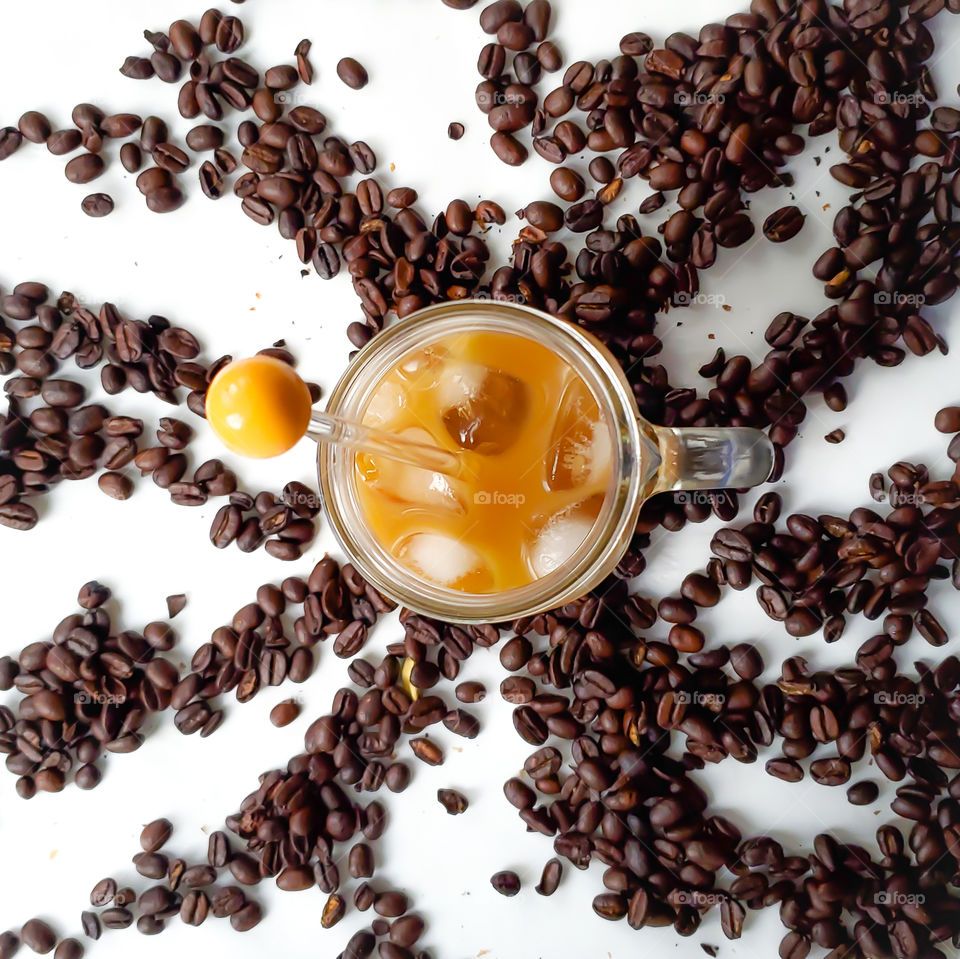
421 368
445 560
558 540
580 451
385 405
484 409
413 485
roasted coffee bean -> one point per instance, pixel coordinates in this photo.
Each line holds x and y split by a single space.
550 878
10 140
38 936
103 892
284 713
246 917
507 883
20 516
453 802
117 917
390 904
948 420
508 148
61 142
34 126
97 204
470 692
155 834
783 224
427 751
352 73
164 200
863 793
84 168
68 949
333 911
229 35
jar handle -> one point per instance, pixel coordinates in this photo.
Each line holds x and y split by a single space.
732 457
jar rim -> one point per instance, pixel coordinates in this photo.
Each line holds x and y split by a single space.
596 557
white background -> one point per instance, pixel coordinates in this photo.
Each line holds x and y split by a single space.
239 286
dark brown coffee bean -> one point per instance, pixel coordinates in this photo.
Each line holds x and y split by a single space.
453 802
20 516
34 126
390 904
103 892
61 142
97 204
38 936
155 834
948 420
284 713
783 224
470 692
10 140
550 878
68 949
352 73
84 168
137 68
164 200
427 751
508 148
229 36
863 793
246 917
117 917
507 883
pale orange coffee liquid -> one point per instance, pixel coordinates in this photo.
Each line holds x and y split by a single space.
536 454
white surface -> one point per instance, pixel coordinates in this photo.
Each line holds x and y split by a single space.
240 287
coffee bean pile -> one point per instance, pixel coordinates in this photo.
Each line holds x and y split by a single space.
90 689
819 569
288 519
635 808
180 889
257 650
710 119
717 119
506 95
40 937
65 438
86 691
619 702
